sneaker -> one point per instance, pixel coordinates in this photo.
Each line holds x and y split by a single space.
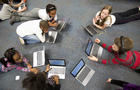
21 41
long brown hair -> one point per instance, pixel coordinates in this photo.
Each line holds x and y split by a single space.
109 8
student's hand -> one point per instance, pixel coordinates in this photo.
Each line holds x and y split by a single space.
34 70
47 68
93 58
109 80
97 40
53 24
97 17
94 21
56 79
29 66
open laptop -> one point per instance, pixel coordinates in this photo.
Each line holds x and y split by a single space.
57 67
61 25
52 35
93 49
39 58
82 72
91 30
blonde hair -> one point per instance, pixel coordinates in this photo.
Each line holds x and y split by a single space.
44 24
109 8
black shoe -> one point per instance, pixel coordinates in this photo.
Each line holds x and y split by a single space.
14 19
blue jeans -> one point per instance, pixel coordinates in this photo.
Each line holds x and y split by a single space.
31 39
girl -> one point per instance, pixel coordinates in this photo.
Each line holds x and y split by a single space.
8 8
123 84
48 14
14 60
104 19
38 81
123 55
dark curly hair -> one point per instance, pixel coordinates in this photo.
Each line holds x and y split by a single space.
50 7
35 81
9 53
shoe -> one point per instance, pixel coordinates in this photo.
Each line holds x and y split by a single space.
14 19
21 41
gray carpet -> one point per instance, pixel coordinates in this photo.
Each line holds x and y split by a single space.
71 43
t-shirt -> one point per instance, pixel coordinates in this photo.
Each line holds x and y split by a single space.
31 28
44 16
110 19
5 12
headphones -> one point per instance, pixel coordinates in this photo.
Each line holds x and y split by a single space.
122 49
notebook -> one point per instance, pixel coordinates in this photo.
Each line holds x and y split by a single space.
58 67
93 49
82 72
39 58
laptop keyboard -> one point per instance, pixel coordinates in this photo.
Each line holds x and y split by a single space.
90 29
57 71
39 58
84 73
95 50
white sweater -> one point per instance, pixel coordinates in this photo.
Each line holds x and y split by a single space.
30 28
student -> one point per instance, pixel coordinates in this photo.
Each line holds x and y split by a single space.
8 9
33 31
48 14
123 84
39 81
14 60
123 55
104 18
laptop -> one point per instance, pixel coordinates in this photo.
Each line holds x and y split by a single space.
82 72
93 49
58 67
52 35
91 30
39 58
61 25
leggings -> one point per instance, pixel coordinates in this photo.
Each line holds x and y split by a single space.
127 16
118 82
138 70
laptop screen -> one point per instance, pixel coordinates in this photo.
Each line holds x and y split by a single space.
89 47
77 68
57 62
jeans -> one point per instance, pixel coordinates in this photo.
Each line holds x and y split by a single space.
31 39
127 16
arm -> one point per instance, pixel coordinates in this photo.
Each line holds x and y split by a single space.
105 46
9 8
8 68
23 9
41 37
108 48
112 60
53 24
98 26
